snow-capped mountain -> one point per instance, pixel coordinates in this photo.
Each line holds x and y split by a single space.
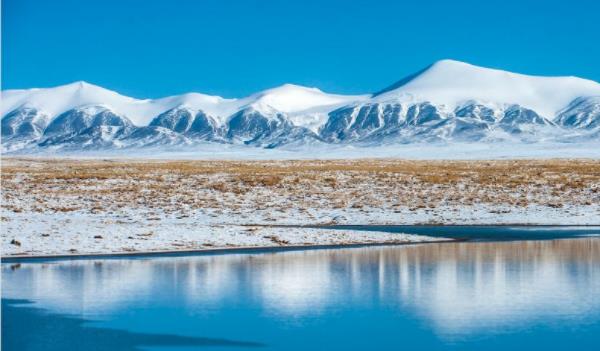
446 102
456 101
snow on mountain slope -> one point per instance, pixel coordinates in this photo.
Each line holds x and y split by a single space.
451 83
26 122
54 101
448 101
581 113
290 98
303 106
57 100
215 106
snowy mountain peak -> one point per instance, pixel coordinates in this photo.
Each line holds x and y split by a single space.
449 64
82 90
82 84
445 64
451 83
290 88
57 100
291 98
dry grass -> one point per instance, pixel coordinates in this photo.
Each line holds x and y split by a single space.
182 187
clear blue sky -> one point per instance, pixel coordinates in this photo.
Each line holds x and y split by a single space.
153 48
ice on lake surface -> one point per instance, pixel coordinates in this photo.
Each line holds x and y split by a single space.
517 295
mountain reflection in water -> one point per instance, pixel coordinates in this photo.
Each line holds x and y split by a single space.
451 291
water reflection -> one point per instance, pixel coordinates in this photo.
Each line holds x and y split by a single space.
456 289
55 332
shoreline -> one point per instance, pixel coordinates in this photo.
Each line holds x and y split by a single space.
330 226
423 239
403 238
213 251
85 237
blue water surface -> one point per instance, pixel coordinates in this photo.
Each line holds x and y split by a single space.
485 232
503 295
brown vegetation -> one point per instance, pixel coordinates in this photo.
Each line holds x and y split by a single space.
242 187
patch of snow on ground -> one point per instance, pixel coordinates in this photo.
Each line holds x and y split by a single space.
75 234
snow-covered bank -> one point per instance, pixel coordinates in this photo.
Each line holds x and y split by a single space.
35 234
116 205
38 234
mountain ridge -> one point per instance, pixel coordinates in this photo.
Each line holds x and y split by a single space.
447 101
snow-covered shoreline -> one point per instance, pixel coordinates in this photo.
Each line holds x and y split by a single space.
34 234
47 235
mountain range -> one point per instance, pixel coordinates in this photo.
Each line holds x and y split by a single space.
449 101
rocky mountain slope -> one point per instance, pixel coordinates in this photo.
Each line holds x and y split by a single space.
447 102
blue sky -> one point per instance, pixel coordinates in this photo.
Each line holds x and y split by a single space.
155 48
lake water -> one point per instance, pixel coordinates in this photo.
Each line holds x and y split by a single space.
486 232
505 295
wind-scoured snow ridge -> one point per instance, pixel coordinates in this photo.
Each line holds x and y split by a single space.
447 102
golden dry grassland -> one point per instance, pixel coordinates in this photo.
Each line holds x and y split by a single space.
182 188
